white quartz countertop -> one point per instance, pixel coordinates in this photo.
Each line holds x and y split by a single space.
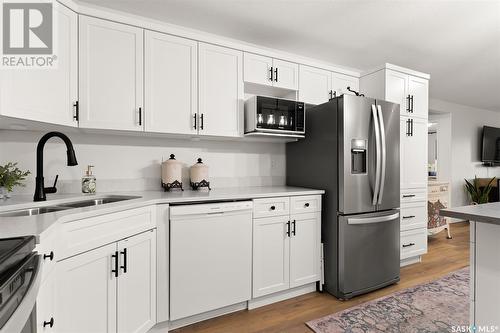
37 224
489 213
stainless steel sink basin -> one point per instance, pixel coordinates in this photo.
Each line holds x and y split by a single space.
96 201
32 211
64 206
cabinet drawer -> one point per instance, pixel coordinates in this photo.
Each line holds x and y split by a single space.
413 243
271 207
305 204
47 248
409 195
413 216
86 234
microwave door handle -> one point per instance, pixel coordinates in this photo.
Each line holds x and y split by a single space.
376 190
384 153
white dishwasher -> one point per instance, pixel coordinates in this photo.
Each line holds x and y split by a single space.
210 256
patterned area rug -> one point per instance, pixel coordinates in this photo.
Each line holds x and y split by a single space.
432 307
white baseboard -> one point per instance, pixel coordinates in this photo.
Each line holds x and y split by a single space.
410 261
281 296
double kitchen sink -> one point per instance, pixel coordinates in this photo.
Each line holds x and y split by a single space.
69 205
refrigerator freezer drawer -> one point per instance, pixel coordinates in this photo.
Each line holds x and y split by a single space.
368 252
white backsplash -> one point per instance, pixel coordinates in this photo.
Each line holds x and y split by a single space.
132 162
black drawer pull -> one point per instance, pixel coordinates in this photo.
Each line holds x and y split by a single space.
49 256
124 266
273 207
409 217
288 228
294 227
306 204
115 258
408 195
49 323
408 245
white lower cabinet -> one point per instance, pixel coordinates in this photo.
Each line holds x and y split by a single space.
45 304
286 252
108 289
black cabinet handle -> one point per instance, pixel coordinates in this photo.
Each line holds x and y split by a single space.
294 227
49 323
49 256
202 121
408 103
271 74
288 228
408 245
408 195
76 116
276 74
408 127
194 121
306 204
411 127
115 257
140 116
124 266
273 207
408 217
411 102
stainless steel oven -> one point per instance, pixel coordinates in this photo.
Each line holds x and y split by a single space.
274 116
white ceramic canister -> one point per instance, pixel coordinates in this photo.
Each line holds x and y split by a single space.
171 170
199 172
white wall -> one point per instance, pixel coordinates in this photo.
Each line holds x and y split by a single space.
133 162
466 131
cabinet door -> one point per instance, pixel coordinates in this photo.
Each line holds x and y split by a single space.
396 90
45 304
220 90
286 74
86 292
487 270
418 89
314 85
170 84
340 82
111 75
305 249
46 95
136 310
257 69
413 147
271 255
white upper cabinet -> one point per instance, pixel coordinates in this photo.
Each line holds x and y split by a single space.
340 83
170 84
418 91
286 74
396 87
258 69
46 95
111 75
314 85
270 72
220 90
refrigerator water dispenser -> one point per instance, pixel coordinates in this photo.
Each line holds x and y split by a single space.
358 156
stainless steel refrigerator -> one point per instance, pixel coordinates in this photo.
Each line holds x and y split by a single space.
352 152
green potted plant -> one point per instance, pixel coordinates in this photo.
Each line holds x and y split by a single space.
477 193
11 176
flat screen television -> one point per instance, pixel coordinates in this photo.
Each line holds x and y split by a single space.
491 145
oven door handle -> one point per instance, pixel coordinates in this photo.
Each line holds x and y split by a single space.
23 311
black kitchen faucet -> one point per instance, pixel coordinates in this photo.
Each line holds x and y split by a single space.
40 189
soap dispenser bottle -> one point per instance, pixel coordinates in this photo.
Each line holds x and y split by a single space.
88 181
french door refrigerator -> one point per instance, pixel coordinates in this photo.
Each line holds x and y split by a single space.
352 152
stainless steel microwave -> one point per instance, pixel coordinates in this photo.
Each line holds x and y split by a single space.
268 115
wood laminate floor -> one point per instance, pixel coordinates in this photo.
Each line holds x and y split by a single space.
444 256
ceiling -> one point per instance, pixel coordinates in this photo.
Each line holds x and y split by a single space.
456 41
